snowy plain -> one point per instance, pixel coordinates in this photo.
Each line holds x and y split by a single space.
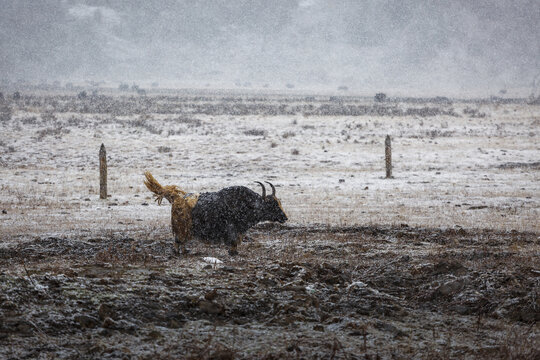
475 169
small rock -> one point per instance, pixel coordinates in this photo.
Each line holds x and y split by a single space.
333 320
9 305
4 211
21 326
240 321
104 311
405 258
108 323
228 269
144 204
529 314
268 281
323 316
210 307
86 321
452 267
287 320
463 309
222 354
450 288
384 326
95 349
155 334
334 298
122 325
293 347
211 295
173 324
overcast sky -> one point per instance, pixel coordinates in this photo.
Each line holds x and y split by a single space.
364 45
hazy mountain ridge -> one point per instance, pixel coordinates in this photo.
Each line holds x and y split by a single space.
307 43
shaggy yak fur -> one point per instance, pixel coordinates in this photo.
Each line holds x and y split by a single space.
222 216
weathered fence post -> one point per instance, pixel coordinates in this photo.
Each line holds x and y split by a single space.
102 172
388 156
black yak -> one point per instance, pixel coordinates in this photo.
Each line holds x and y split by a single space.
221 216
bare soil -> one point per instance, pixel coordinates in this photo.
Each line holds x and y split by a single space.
293 292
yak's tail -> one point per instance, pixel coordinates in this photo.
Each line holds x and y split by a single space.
169 192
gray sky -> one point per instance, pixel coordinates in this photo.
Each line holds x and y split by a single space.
438 46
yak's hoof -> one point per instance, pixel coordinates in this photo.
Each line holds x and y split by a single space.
233 252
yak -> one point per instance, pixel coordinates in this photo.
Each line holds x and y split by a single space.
222 216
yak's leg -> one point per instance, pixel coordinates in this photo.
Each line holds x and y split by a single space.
234 239
235 244
180 245
184 250
181 223
176 244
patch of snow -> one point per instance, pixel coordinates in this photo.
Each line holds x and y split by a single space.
212 260
40 287
356 283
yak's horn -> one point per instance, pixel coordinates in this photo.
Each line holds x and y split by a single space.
264 189
273 188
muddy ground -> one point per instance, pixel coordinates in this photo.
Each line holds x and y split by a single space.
293 292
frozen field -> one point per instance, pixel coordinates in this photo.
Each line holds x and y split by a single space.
442 260
478 167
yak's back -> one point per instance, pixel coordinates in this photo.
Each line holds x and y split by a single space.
216 211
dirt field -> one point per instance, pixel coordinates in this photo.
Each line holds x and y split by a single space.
443 261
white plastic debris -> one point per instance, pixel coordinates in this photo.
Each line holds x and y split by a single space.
356 283
212 260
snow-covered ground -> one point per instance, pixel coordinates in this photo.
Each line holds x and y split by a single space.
464 171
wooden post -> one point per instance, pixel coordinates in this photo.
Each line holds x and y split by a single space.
102 172
388 156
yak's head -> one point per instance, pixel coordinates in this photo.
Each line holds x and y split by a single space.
272 210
